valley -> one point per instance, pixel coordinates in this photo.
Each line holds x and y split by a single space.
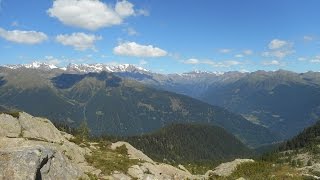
159 90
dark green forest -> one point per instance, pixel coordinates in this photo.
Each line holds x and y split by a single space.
190 143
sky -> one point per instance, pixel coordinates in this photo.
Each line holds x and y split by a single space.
165 36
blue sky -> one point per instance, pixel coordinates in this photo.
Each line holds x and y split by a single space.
164 35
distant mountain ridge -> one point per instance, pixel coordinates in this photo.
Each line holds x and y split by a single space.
79 68
284 102
115 105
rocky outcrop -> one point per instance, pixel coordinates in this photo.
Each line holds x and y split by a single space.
150 169
32 148
226 169
38 162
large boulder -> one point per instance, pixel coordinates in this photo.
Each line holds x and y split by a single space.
9 126
38 162
32 148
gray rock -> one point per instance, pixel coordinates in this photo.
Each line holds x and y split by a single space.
39 129
31 148
148 169
10 126
36 163
226 169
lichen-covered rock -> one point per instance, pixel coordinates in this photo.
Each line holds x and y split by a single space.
10 126
31 148
38 162
39 128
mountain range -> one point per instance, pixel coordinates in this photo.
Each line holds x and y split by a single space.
114 105
280 103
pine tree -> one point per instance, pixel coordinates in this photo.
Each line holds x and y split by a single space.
83 131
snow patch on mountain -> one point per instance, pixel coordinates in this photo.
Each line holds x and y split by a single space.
80 68
33 65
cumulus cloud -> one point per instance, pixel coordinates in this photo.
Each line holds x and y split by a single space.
192 61
222 64
15 24
79 41
239 56
138 50
277 44
124 8
23 37
248 52
316 59
90 14
52 60
142 12
131 31
279 49
225 51
308 38
270 63
143 62
302 59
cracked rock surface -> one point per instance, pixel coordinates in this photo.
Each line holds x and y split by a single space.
32 148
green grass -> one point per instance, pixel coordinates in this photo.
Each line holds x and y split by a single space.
108 160
15 114
194 168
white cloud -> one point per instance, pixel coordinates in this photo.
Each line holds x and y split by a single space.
52 60
138 50
143 62
192 61
143 12
225 51
79 41
277 44
15 24
316 59
302 59
271 63
131 31
308 38
278 54
23 37
90 14
228 63
239 56
103 56
124 8
248 52
279 49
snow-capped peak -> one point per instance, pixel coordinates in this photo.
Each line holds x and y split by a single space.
85 68
33 65
80 68
199 73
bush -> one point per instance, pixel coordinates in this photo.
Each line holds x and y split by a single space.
15 114
83 131
309 163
